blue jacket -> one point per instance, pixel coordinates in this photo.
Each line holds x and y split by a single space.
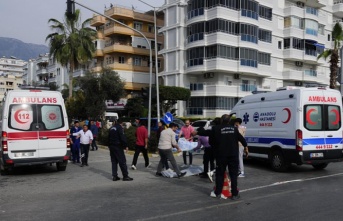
94 130
75 130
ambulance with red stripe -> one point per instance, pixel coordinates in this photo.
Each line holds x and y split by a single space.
34 129
293 125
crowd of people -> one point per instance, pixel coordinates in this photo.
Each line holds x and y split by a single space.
224 147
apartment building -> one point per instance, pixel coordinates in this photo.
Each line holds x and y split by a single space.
223 50
126 51
44 70
9 82
12 66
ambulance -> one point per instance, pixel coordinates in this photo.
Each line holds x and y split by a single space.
293 125
34 129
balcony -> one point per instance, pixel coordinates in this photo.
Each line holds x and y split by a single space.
97 20
337 8
128 49
100 35
115 29
305 75
42 71
98 53
213 89
125 13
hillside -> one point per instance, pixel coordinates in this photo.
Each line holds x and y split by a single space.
14 47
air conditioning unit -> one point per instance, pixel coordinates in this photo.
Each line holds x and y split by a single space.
211 75
298 83
236 76
298 64
301 4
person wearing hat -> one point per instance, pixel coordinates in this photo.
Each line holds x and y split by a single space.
75 142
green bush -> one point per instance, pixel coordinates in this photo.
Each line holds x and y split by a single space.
103 137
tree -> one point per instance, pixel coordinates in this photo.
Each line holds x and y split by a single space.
77 106
97 88
134 107
169 95
71 44
337 35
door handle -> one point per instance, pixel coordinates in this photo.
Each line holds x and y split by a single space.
330 136
43 138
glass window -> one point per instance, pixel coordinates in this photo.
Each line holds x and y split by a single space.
51 116
334 118
137 25
265 12
286 43
313 117
121 59
21 116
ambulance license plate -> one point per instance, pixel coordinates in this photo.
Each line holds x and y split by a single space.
315 155
24 154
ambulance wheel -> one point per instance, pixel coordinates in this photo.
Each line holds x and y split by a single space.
61 166
320 166
277 161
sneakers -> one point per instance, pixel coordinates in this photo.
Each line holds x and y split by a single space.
127 178
170 170
241 175
147 166
115 178
213 194
236 197
181 175
133 167
183 165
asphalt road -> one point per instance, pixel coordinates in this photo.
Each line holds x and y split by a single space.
88 193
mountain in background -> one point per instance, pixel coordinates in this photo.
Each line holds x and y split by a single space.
25 51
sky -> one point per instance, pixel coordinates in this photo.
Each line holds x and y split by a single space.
27 20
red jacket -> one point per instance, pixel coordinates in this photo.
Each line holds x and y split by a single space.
141 135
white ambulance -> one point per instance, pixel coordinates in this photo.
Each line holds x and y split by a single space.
34 129
293 125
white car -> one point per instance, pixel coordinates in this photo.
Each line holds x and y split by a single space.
201 123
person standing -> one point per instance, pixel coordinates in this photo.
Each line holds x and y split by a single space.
86 138
117 140
208 157
95 131
226 154
186 132
161 127
165 145
141 145
75 141
241 129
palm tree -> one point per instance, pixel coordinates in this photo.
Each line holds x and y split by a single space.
337 35
71 44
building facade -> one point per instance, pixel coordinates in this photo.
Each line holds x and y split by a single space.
126 51
12 66
44 70
9 82
222 50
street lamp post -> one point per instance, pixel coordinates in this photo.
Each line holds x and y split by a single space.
156 63
149 44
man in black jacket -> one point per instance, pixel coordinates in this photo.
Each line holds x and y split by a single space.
226 139
117 141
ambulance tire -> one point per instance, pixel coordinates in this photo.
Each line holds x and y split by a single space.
277 161
61 166
320 166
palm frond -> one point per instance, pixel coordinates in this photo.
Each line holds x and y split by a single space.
325 54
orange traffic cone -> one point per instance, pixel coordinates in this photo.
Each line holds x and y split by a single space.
226 186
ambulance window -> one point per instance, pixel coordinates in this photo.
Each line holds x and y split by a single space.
51 116
313 117
334 118
20 116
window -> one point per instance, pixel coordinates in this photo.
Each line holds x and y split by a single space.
121 59
249 33
195 32
249 8
294 21
329 38
195 56
137 25
286 43
222 51
264 35
233 4
322 117
151 29
311 27
137 61
280 44
196 105
35 117
321 29
248 57
195 8
196 86
298 43
310 10
263 58
265 12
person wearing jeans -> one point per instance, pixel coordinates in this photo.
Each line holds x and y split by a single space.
141 145
95 131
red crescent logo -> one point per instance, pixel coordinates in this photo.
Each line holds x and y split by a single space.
289 115
337 117
16 117
308 116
